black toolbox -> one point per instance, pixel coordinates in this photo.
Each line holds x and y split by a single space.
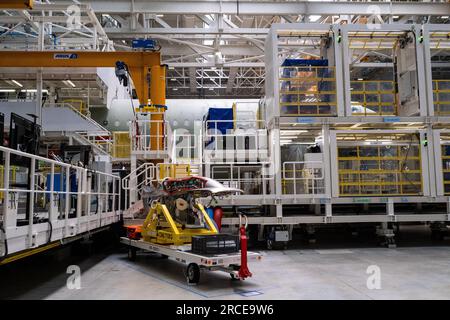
215 244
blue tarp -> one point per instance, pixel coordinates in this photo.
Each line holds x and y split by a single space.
305 62
220 114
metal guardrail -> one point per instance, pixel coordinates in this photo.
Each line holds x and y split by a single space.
307 90
303 177
54 201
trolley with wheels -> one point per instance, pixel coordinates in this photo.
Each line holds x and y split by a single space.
230 262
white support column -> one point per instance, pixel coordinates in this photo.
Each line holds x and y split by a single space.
428 71
9 220
339 73
439 177
425 164
132 181
421 74
345 63
38 109
431 153
31 239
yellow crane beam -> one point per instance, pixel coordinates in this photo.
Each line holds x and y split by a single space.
139 64
143 67
16 4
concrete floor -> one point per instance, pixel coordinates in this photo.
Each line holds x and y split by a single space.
418 269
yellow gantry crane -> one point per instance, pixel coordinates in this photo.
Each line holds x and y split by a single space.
146 71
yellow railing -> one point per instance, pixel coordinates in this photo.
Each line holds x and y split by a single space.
373 98
173 170
307 91
441 97
121 144
379 170
78 105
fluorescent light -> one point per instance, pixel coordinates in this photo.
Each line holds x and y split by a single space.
314 18
291 132
360 79
395 17
33 90
444 17
173 79
160 15
7 90
71 83
175 89
17 83
211 89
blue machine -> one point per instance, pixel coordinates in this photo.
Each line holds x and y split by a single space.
57 180
217 114
148 44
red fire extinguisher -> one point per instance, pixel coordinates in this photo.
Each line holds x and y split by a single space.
244 272
218 214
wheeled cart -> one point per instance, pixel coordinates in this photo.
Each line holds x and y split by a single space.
230 262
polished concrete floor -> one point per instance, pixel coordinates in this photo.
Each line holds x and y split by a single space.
333 268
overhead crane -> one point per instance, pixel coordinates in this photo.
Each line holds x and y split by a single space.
146 71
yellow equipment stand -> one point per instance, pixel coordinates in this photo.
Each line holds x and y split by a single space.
159 227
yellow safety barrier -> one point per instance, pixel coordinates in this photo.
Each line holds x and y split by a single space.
373 98
376 170
307 91
121 144
173 170
441 97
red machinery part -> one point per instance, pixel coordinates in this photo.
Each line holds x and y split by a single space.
244 272
218 214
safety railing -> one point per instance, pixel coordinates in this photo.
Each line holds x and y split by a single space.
143 175
303 178
445 157
377 170
307 91
373 98
121 148
441 97
185 147
252 179
231 141
45 200
149 137
79 105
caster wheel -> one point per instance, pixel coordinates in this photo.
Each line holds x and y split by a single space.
234 277
193 274
132 254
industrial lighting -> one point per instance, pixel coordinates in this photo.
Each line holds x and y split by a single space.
7 90
173 79
33 90
360 79
175 89
160 15
290 132
314 18
444 17
71 83
17 83
395 17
